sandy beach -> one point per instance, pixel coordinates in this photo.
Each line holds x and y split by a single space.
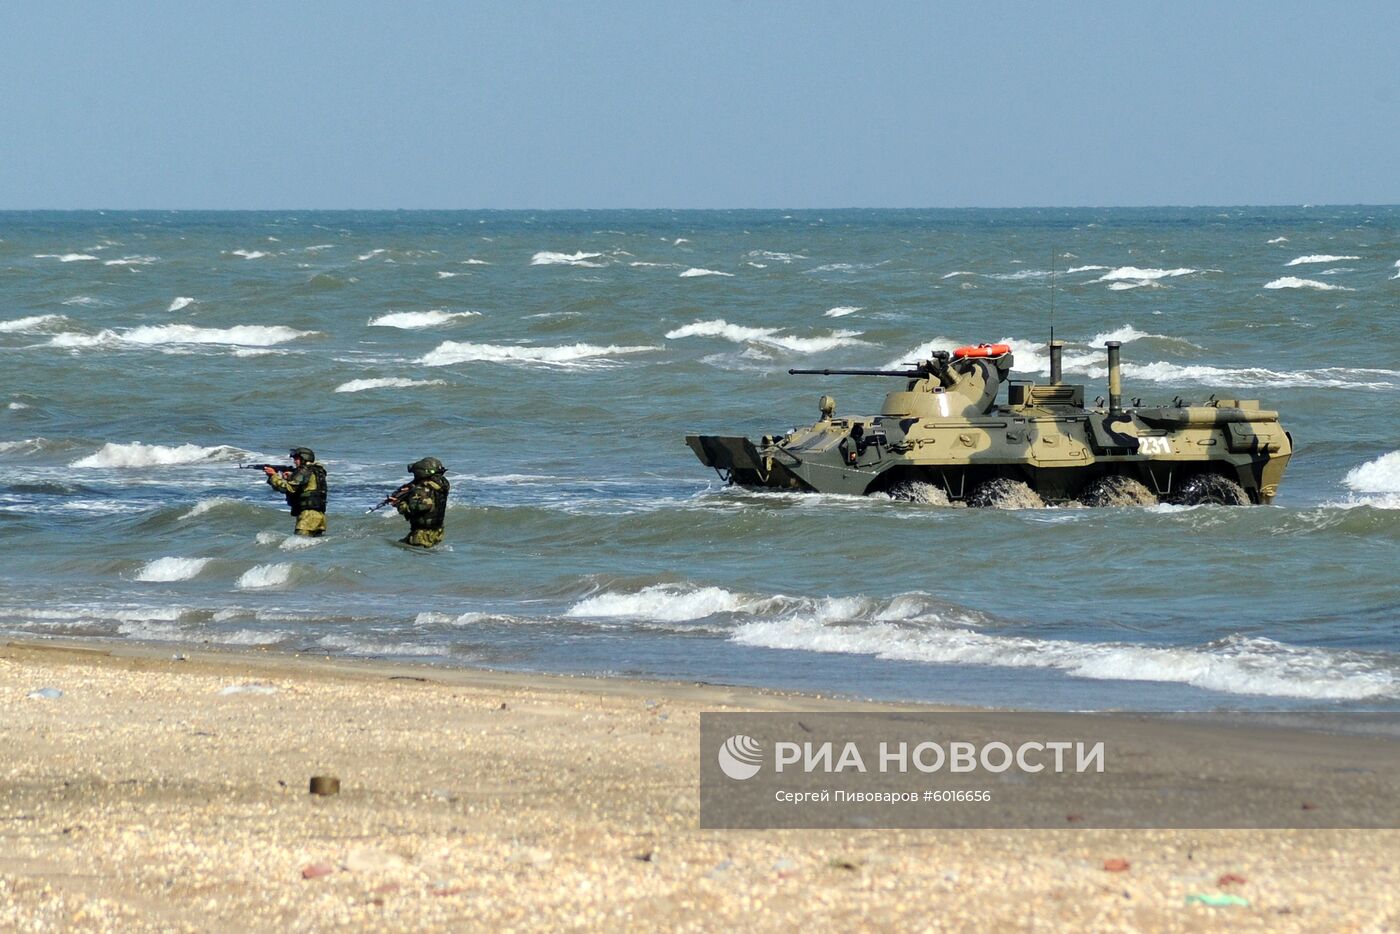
170 793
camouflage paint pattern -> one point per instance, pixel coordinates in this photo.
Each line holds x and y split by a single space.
946 428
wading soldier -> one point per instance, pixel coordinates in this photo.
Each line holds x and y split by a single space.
305 488
424 502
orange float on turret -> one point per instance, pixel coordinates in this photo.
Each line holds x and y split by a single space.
982 350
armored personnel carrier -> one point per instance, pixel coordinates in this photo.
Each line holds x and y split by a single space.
944 436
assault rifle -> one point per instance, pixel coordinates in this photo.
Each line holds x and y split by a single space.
390 498
280 468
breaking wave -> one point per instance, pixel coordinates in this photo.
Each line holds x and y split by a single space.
65 257
1293 282
418 319
1132 277
1317 258
132 261
360 385
570 355
243 335
739 334
695 271
1381 475
31 324
171 569
264 575
137 454
548 258
181 303
841 311
917 627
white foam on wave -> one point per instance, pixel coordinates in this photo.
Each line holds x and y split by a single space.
66 257
16 406
474 262
549 258
264 575
841 311
362 645
1127 334
31 324
419 319
1317 258
566 356
287 542
171 569
1293 282
917 627
665 602
1133 284
775 256
137 454
957 272
1134 273
242 335
86 301
132 261
1279 240
1075 269
250 254
1235 665
696 272
739 334
1019 275
1381 475
181 303
392 382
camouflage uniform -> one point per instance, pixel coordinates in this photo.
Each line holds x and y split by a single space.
305 489
424 504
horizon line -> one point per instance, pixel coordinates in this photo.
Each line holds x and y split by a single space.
402 210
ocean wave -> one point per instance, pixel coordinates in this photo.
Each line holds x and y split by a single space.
181 303
250 254
1075 269
66 257
1318 258
418 319
1235 665
32 324
1381 475
695 272
360 645
1136 274
137 454
774 256
1127 334
549 258
171 569
918 627
740 334
1019 275
243 335
132 261
394 382
569 355
207 505
1279 240
1293 282
957 272
86 301
841 311
262 576
287 542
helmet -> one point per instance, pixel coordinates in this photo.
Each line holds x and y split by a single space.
306 454
426 467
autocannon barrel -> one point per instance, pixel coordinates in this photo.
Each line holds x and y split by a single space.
907 374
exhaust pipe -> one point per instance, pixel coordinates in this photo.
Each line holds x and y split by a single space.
1057 352
1115 378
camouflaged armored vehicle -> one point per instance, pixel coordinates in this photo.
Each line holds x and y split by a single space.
945 437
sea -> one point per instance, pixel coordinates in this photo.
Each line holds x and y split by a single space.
554 361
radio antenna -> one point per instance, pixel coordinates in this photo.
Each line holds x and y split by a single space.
1053 257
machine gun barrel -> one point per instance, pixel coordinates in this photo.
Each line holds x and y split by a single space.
280 468
907 374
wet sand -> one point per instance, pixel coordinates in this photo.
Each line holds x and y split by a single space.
149 797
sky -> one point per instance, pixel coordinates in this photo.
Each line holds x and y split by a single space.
718 104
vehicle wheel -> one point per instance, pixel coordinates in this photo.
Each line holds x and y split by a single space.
1117 491
1005 494
1210 489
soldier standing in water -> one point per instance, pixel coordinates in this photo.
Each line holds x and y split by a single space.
305 488
424 502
